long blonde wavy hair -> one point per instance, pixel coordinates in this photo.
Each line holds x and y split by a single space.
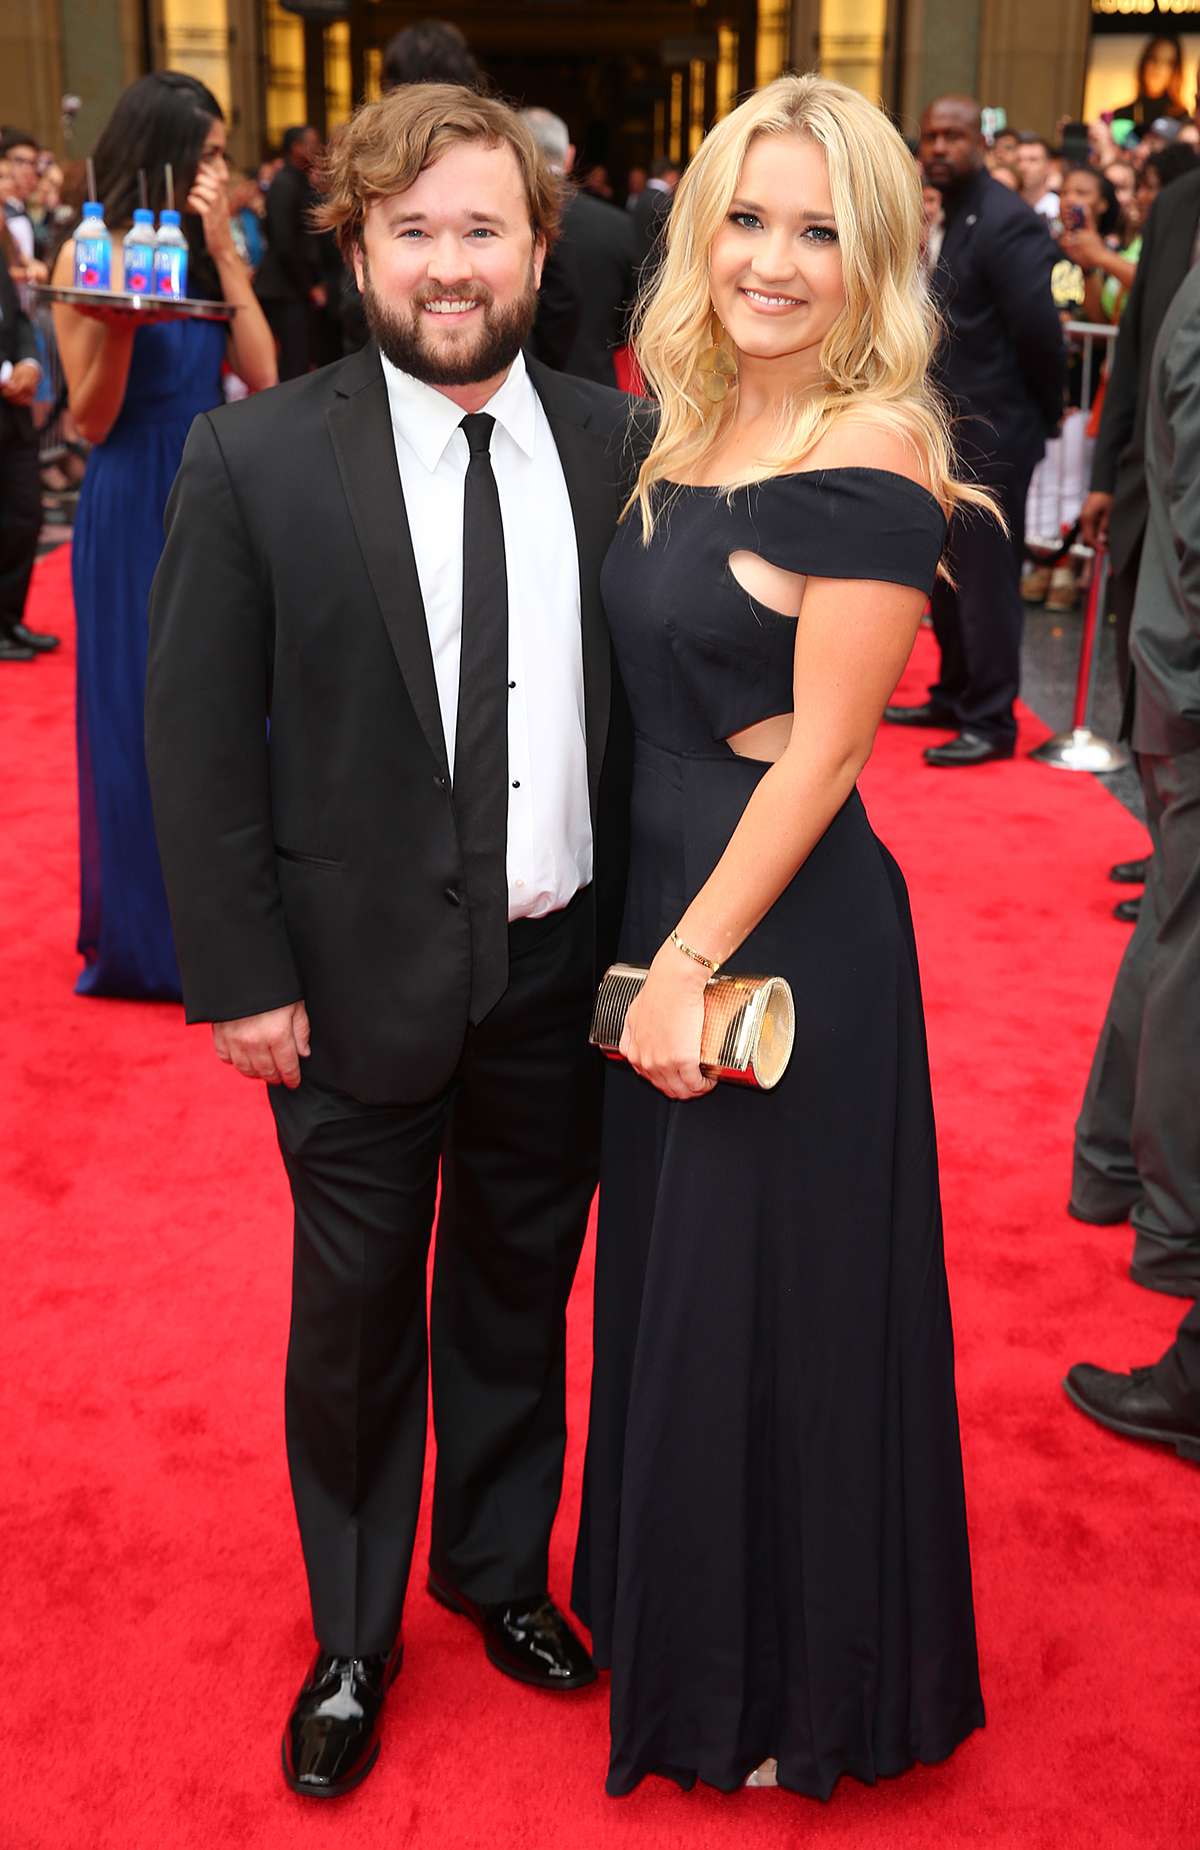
875 357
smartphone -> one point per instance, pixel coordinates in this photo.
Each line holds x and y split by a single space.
1076 148
1074 218
993 121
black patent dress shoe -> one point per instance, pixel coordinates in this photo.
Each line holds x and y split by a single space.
528 1639
928 713
331 1741
13 651
37 640
1127 910
1129 873
968 748
1131 1404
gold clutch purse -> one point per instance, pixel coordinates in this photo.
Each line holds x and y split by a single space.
749 1024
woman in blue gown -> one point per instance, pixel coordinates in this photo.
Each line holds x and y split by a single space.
134 395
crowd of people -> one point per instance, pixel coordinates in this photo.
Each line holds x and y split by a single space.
672 292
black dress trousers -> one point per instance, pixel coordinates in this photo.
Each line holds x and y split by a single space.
20 511
979 619
517 1136
1177 1375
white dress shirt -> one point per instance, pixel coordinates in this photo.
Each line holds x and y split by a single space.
549 820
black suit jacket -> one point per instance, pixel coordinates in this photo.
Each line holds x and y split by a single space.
1002 362
592 267
17 339
299 775
17 343
291 264
1119 462
649 217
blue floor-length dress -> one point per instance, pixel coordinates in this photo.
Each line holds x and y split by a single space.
124 927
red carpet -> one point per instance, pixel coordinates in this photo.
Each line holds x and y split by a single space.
153 1606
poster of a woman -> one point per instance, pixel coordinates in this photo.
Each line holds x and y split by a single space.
1159 85
1162 73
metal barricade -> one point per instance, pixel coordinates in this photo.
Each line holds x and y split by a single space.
1079 748
51 434
1059 483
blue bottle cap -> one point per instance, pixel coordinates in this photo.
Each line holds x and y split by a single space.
168 217
143 216
93 209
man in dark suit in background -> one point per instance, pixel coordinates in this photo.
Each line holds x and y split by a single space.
407 882
430 51
649 217
587 284
1156 1001
1104 1183
20 485
291 282
1002 367
1115 510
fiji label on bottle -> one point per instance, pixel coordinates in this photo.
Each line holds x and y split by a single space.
139 269
170 270
93 263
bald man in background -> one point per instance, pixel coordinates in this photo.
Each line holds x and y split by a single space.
1002 366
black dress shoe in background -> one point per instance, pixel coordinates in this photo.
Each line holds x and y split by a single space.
13 651
1129 873
927 714
1127 910
331 1741
968 748
1131 1404
37 640
528 1639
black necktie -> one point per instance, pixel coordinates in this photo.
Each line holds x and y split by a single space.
481 741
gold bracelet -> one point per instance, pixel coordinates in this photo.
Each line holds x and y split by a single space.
709 964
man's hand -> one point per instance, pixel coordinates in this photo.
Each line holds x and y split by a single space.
22 383
269 1046
1093 518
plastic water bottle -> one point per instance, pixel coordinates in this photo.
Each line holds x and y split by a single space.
93 249
138 251
170 256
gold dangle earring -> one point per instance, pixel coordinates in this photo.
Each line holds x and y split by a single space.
717 370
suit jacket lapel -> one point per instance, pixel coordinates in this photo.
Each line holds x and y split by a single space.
959 228
360 427
589 477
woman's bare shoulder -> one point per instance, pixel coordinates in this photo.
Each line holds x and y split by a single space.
861 440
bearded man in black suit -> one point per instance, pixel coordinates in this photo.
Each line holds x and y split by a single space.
388 759
1002 366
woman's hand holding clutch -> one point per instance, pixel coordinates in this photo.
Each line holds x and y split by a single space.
661 1040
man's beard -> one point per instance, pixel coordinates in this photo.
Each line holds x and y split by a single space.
501 334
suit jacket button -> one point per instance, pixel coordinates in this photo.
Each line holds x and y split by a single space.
454 896
439 782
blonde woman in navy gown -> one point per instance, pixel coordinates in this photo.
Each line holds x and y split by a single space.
773 1551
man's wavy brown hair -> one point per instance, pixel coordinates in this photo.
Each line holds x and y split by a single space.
385 145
